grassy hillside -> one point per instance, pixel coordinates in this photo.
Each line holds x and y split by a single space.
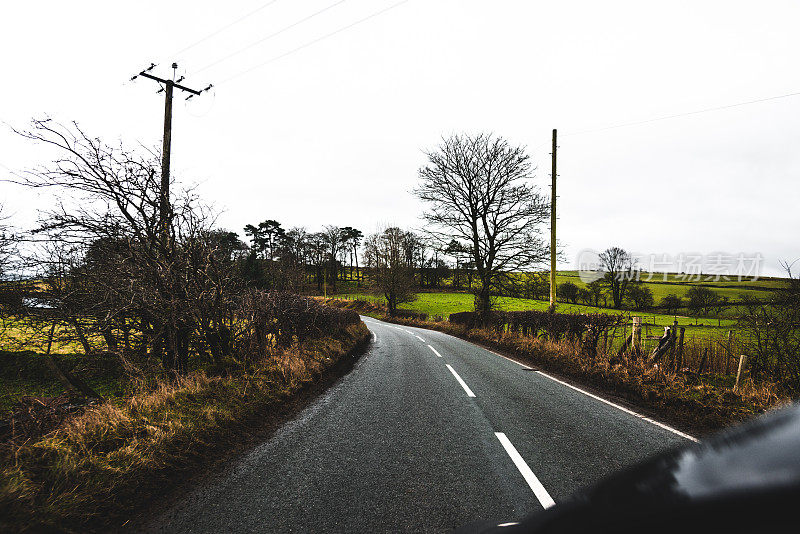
443 304
447 302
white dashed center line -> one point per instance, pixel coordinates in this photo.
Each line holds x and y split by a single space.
460 381
544 498
436 352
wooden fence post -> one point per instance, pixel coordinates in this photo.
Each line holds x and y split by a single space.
679 357
728 357
674 333
702 362
636 335
742 363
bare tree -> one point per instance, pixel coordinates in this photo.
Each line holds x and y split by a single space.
478 192
335 246
393 277
8 242
10 292
618 266
123 270
771 333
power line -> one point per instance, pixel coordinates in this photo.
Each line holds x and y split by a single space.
685 114
268 37
315 41
217 32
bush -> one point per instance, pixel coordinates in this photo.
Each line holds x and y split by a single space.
567 291
701 300
463 318
410 314
671 303
276 319
771 336
586 329
640 296
585 296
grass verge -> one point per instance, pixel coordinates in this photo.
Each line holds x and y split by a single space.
99 465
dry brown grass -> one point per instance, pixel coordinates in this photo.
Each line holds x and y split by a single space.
97 461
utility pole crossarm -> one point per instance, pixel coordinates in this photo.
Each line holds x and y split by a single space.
176 85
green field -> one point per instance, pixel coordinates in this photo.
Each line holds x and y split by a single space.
443 304
677 285
24 373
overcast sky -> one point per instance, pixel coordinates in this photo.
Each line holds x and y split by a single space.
333 133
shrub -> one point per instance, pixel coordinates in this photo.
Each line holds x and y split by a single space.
277 319
585 329
410 314
640 296
701 300
567 291
671 303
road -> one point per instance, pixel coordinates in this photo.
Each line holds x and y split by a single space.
426 433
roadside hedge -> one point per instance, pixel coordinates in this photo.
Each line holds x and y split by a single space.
585 328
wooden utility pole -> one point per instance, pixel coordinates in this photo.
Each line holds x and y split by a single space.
168 86
553 226
163 201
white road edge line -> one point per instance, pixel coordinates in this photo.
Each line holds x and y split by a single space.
544 498
436 352
612 404
416 336
460 381
509 359
622 408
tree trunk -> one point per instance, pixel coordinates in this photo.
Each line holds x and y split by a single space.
182 349
358 271
70 382
110 338
87 348
483 304
126 336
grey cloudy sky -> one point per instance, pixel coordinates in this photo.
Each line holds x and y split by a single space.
333 133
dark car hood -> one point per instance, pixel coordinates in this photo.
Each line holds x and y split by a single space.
745 479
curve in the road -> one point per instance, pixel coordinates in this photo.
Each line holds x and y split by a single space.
427 432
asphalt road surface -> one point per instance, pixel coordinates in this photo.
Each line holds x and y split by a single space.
427 433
